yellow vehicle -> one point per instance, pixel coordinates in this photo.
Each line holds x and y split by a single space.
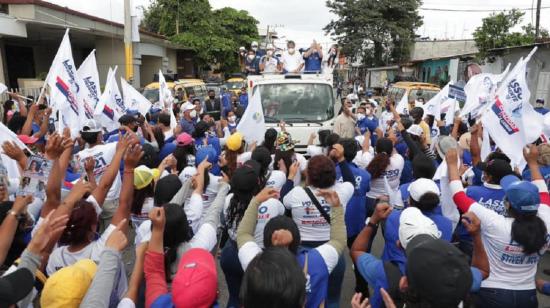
195 87
413 90
235 84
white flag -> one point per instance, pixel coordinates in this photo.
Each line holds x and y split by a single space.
63 82
133 99
252 124
89 79
433 106
480 91
3 88
395 198
485 145
107 111
166 99
510 120
403 105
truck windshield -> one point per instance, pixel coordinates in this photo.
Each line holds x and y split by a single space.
151 94
297 102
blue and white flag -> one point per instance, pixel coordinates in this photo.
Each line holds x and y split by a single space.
89 92
108 111
133 99
252 124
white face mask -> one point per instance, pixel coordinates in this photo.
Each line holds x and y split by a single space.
254 48
269 53
250 57
193 113
291 50
360 116
232 119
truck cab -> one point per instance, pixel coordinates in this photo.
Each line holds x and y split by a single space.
305 103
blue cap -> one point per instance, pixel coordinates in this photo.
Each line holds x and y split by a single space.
206 152
132 112
523 196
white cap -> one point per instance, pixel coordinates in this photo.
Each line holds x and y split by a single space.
372 101
416 130
242 48
254 43
418 188
276 180
187 106
91 126
412 223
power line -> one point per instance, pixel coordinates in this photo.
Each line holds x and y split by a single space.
478 10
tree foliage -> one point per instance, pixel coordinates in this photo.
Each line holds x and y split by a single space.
378 32
214 35
495 32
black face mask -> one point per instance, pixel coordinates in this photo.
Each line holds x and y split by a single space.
211 96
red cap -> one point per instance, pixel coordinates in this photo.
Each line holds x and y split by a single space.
196 282
27 139
184 139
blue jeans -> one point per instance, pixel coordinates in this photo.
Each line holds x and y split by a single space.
335 278
502 298
233 272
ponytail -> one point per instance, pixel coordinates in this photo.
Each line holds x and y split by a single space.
384 148
529 231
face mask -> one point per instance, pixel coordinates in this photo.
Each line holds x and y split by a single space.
269 53
232 118
254 48
193 113
212 96
360 116
250 57
291 50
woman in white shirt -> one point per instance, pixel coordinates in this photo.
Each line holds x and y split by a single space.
385 166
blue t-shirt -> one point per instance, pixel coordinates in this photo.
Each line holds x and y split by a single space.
391 235
166 150
254 64
356 211
317 276
213 142
404 189
370 124
187 126
541 110
467 158
243 99
544 170
407 172
372 269
226 103
313 62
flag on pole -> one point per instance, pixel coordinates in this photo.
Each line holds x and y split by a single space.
89 92
107 111
166 99
64 85
252 124
133 99
433 106
480 91
510 119
403 105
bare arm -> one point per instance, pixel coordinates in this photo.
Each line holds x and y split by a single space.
479 256
475 149
27 127
10 223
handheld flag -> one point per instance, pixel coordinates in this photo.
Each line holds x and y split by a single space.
433 106
90 91
107 110
166 99
252 124
133 99
480 91
403 105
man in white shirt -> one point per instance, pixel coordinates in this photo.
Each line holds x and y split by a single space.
293 62
269 63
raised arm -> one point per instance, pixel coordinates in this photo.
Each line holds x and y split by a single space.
462 201
363 241
10 223
245 232
475 148
12 150
337 227
479 256
27 127
531 155
155 283
413 146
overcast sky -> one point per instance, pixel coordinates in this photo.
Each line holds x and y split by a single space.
303 20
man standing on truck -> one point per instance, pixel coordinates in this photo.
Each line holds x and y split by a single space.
269 63
292 61
313 58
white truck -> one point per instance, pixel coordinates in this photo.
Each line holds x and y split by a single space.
304 102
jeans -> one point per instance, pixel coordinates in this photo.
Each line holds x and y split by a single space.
502 298
233 272
335 278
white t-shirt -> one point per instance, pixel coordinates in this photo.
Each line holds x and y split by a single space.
243 157
103 155
62 257
303 166
147 206
312 225
270 64
266 211
392 173
313 150
291 62
363 159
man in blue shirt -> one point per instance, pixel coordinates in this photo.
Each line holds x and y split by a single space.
252 63
226 102
313 58
187 122
243 98
539 106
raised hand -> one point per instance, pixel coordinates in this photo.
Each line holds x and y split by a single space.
21 203
89 164
118 240
381 212
44 233
158 218
293 170
133 156
357 303
54 146
11 149
531 154
266 194
471 223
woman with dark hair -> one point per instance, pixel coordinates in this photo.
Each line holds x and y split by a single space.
184 152
203 139
270 137
514 244
285 157
386 165
245 183
311 212
320 149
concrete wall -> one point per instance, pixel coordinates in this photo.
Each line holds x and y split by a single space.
171 55
149 67
109 53
442 49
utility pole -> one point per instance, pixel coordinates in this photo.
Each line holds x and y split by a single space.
537 22
128 53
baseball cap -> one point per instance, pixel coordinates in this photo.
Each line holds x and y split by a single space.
421 186
143 176
27 139
544 154
284 142
523 196
496 168
444 144
416 130
207 153
276 180
166 189
437 271
234 142
540 100
246 178
15 286
187 106
184 139
68 286
91 126
196 282
412 223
